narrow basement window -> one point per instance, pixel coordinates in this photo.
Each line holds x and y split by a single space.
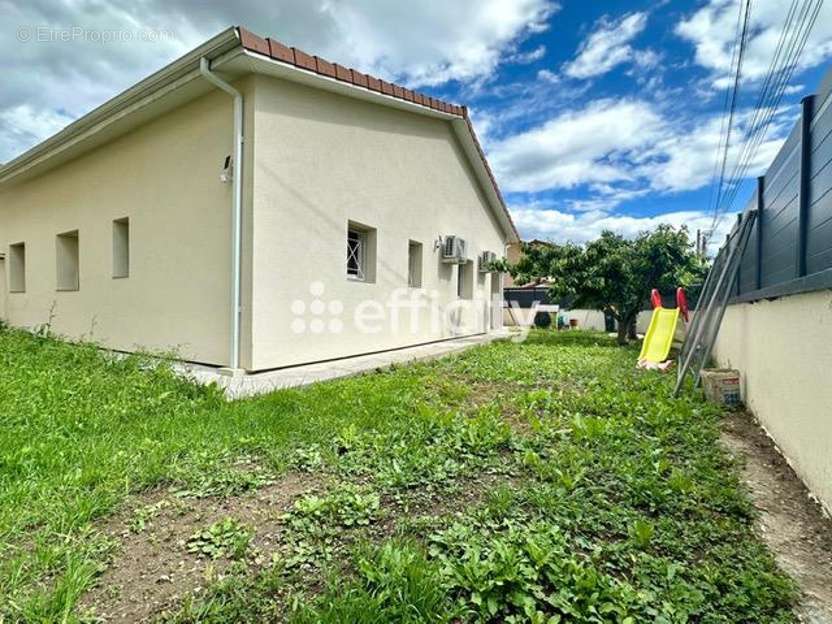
361 252
414 264
121 248
17 268
66 255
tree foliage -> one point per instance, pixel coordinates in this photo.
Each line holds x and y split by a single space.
612 273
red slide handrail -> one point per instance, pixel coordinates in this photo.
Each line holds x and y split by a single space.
655 298
682 303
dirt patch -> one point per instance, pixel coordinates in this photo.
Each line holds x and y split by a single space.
461 495
153 570
790 523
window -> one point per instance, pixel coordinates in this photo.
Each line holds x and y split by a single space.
356 249
361 253
414 264
121 248
17 267
66 253
465 280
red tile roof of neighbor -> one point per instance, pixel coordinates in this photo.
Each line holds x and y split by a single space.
292 56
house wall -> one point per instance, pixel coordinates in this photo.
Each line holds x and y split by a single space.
323 160
3 289
783 350
164 177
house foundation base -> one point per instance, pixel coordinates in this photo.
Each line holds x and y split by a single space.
238 384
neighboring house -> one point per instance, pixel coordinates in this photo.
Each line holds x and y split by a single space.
514 252
241 204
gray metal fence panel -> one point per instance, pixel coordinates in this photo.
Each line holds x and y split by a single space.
819 234
790 247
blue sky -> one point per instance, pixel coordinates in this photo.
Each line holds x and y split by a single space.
594 114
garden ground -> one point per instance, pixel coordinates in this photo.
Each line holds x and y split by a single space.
546 481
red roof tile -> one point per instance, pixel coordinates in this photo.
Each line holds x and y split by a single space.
304 60
373 83
359 79
342 73
250 41
324 67
280 52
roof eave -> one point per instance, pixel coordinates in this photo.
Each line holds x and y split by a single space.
168 75
236 41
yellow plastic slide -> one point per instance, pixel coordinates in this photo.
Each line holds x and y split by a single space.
659 336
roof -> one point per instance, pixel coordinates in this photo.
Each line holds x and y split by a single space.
142 100
298 58
293 56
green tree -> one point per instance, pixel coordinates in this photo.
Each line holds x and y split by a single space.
612 273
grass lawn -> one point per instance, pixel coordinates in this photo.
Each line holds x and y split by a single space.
540 482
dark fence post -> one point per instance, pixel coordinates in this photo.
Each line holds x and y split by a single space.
805 181
739 266
761 186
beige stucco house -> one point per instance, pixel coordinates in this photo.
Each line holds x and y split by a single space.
253 207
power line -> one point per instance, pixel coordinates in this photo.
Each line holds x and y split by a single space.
792 41
773 70
757 134
733 104
723 118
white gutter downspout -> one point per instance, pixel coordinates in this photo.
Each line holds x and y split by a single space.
237 210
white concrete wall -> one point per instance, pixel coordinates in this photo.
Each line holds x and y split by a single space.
163 176
643 321
587 319
323 160
783 349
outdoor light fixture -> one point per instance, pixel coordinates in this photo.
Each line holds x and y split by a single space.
227 171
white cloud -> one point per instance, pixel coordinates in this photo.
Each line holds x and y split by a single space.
611 142
524 58
419 43
607 47
548 76
577 147
537 221
23 125
683 159
712 31
429 43
646 59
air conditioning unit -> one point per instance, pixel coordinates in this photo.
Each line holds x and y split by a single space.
453 250
486 258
